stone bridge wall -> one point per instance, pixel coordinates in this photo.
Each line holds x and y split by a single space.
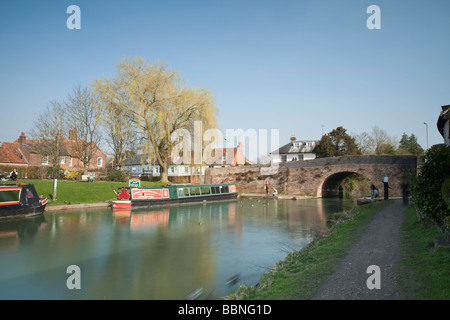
321 177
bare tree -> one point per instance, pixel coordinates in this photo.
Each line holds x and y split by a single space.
364 142
383 143
85 117
49 132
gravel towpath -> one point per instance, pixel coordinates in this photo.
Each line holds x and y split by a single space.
378 246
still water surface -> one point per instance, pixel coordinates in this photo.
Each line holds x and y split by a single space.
203 251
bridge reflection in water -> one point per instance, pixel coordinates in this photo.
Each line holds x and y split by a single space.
162 253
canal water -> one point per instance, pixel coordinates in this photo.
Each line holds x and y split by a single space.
202 251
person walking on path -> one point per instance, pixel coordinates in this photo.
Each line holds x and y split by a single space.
374 193
267 187
370 262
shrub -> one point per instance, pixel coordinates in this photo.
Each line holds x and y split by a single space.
71 174
116 175
446 191
427 186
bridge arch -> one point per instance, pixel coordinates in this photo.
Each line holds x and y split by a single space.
331 186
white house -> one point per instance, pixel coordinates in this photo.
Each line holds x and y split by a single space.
295 150
139 166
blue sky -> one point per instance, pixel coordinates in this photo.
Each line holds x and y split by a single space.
293 65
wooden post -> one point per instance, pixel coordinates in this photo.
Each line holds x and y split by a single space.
55 182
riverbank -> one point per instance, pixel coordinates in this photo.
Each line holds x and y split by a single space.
279 196
78 206
421 271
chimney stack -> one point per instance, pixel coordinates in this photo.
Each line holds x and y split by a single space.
22 138
73 134
293 138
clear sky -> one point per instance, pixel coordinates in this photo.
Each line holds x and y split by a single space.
298 66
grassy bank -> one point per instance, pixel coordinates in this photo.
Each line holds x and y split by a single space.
302 272
77 192
424 271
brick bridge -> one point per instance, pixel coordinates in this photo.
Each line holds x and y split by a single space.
321 177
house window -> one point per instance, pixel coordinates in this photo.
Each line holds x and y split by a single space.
172 170
186 170
70 161
44 160
155 170
284 158
99 162
224 158
63 160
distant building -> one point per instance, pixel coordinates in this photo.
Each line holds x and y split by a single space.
295 150
443 124
229 157
24 152
140 164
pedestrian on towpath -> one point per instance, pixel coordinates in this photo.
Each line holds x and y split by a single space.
267 187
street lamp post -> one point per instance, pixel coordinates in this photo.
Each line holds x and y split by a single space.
426 125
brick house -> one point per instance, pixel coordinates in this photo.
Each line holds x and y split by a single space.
229 157
24 153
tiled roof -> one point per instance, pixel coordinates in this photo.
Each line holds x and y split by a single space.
18 152
12 153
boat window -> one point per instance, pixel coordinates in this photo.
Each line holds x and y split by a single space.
195 191
213 190
206 190
9 195
225 189
181 192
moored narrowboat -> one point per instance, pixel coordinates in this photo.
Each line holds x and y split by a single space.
172 194
20 200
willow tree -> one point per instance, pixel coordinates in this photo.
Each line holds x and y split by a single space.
157 103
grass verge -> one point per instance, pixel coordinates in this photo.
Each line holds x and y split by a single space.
301 273
424 271
77 192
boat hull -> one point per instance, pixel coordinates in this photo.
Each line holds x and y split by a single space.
20 201
142 197
21 212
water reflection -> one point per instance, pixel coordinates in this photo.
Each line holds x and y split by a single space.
162 253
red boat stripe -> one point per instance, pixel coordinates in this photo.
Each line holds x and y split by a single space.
8 203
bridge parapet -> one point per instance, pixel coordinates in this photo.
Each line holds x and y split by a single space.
321 176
